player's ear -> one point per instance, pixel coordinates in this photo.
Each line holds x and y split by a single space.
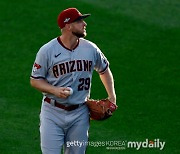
68 26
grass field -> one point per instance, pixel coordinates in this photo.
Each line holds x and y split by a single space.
141 41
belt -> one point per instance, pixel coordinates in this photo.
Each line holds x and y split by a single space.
67 108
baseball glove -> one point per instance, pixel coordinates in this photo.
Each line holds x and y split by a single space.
100 109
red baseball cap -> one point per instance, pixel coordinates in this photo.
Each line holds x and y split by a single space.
70 15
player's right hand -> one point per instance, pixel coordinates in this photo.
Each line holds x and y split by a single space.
61 92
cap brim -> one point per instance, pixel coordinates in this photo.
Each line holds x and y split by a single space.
82 17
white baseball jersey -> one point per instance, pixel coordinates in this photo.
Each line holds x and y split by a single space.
63 67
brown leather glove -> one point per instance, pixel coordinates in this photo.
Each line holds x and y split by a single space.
100 109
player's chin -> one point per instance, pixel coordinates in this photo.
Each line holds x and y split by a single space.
82 35
85 34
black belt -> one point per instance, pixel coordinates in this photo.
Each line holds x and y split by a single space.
67 108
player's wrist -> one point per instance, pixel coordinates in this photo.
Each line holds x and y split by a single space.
53 90
112 98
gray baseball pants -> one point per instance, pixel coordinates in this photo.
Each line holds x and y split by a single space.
60 128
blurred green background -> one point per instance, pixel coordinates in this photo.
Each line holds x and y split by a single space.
141 41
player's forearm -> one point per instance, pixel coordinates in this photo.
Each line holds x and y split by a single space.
108 82
42 85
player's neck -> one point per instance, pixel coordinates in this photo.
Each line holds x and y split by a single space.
69 42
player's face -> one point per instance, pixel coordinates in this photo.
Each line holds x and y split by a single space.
79 28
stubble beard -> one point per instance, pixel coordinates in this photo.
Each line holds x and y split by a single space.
79 35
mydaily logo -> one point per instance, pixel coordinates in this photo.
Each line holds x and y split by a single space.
156 143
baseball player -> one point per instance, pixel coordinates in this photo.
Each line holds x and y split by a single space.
62 71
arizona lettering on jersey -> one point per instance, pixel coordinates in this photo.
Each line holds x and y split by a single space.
71 66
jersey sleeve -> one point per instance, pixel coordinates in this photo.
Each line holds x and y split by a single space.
40 66
101 62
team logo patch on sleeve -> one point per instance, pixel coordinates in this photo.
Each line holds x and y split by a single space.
36 67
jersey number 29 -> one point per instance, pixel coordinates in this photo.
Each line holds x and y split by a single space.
84 84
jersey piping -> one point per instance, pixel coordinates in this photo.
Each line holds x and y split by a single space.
60 42
39 77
